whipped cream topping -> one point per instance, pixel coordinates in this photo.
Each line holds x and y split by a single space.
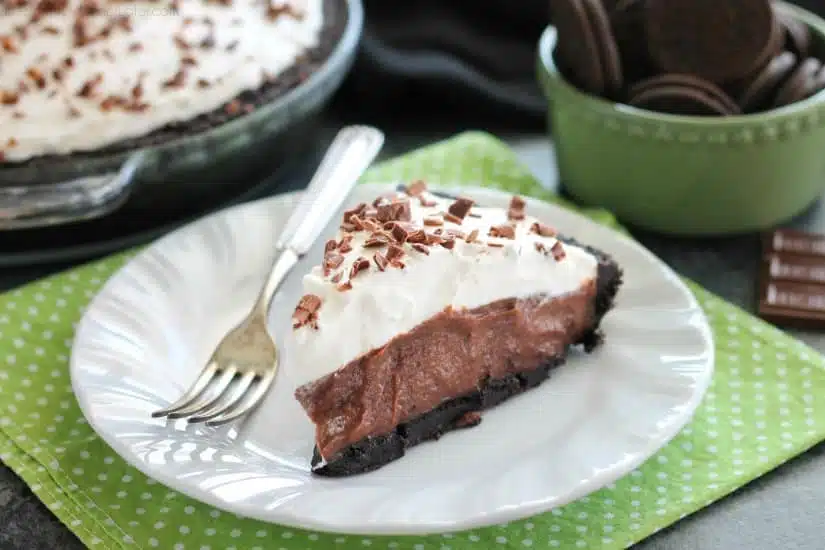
343 316
77 75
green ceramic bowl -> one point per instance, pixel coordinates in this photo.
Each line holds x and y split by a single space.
687 175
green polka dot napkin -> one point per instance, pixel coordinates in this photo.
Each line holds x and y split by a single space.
762 408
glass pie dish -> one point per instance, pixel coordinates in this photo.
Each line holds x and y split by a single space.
203 161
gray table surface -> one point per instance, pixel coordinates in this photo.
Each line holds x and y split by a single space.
782 510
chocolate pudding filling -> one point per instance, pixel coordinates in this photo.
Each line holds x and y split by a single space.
450 354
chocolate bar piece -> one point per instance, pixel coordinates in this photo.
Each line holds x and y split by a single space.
792 279
792 241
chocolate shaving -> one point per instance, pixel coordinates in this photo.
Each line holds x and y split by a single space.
345 245
452 218
356 211
415 188
473 236
310 302
306 311
460 207
495 245
380 261
417 236
394 252
401 210
343 287
558 251
337 277
542 230
541 248
516 210
371 225
433 239
503 231
332 261
423 248
384 212
7 42
399 233
383 199
176 81
330 246
300 318
360 264
433 220
37 76
377 240
356 222
88 88
9 98
448 243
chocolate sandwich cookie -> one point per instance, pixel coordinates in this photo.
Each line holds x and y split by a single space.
776 45
718 41
796 35
817 83
797 86
576 49
679 100
759 92
627 23
708 89
606 43
610 5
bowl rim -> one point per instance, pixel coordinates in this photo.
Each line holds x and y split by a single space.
549 72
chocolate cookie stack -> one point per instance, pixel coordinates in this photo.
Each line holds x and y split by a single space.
687 57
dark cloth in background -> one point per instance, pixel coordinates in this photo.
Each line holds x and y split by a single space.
449 61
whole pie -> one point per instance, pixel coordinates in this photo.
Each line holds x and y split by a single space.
427 310
98 76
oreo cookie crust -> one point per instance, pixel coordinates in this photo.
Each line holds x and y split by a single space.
335 22
577 50
695 37
374 452
797 86
796 35
817 83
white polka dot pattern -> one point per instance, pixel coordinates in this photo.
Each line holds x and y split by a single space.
763 407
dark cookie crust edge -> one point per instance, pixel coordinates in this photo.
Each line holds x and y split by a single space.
374 452
335 22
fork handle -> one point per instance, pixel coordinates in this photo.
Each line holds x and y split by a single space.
352 151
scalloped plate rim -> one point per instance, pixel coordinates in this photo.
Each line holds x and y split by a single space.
405 527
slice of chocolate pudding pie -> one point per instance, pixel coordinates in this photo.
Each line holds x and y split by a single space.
427 310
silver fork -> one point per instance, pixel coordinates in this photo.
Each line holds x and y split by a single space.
243 366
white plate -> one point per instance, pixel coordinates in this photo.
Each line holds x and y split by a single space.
152 327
